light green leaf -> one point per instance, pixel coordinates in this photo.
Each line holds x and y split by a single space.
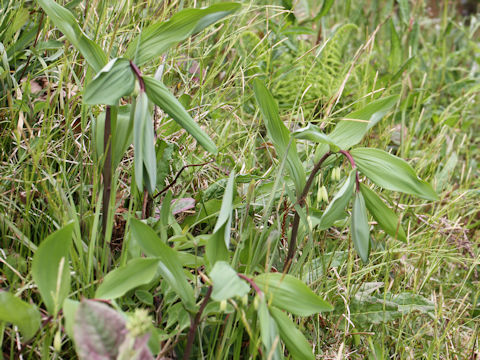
268 332
159 37
170 266
351 130
295 341
19 313
337 206
290 294
384 216
395 56
226 209
359 228
215 249
391 172
122 134
66 23
312 133
279 134
161 96
50 268
143 141
69 311
135 273
226 283
112 82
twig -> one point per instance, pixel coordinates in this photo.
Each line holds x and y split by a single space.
251 282
194 325
138 74
354 166
296 221
177 176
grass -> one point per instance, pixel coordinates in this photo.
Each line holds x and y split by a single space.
50 173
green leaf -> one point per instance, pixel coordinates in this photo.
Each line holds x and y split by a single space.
161 96
279 134
215 249
135 273
268 332
351 130
156 39
19 313
170 266
290 294
336 208
327 4
295 341
395 56
312 133
112 82
391 172
143 141
66 23
384 216
226 283
122 134
69 311
360 229
50 268
226 210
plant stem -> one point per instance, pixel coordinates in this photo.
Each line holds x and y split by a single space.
194 324
296 221
354 166
107 170
138 75
251 282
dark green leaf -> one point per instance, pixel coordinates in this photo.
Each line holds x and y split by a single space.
279 134
384 216
111 83
159 37
290 294
135 273
327 4
351 130
66 23
50 268
337 206
170 266
161 96
295 341
391 172
360 229
226 283
21 314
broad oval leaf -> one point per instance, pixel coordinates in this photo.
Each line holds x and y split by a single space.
279 134
112 82
67 24
50 268
391 172
226 283
69 311
339 202
19 313
99 331
384 216
312 133
135 273
290 294
351 130
294 340
359 227
170 266
161 96
158 38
